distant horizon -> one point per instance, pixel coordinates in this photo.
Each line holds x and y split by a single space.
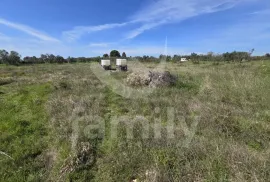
139 27
128 56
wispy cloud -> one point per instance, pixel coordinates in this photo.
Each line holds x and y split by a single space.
171 11
28 30
157 13
261 12
134 33
78 31
102 44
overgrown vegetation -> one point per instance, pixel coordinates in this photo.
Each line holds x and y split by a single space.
46 111
14 58
24 132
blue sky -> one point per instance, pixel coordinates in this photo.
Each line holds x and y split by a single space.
137 27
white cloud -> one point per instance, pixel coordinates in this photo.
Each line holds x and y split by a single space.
28 30
78 31
102 44
262 12
140 30
171 11
157 13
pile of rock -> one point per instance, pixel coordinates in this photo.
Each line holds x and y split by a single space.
138 79
151 79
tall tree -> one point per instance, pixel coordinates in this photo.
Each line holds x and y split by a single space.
44 58
105 55
3 57
14 58
114 53
59 59
124 55
210 56
195 58
161 56
51 58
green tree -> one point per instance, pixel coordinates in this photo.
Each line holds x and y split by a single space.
210 56
51 58
176 58
195 58
114 53
44 58
3 57
71 60
14 58
168 58
124 55
161 56
236 56
59 59
31 60
227 56
105 55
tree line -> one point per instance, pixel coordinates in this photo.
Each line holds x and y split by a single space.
14 58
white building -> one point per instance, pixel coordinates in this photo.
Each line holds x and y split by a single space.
183 59
121 62
106 64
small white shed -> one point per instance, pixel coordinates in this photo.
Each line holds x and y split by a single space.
183 59
106 64
121 64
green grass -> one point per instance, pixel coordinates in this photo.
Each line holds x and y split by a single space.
46 110
24 132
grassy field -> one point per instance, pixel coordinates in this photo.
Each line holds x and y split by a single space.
46 111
